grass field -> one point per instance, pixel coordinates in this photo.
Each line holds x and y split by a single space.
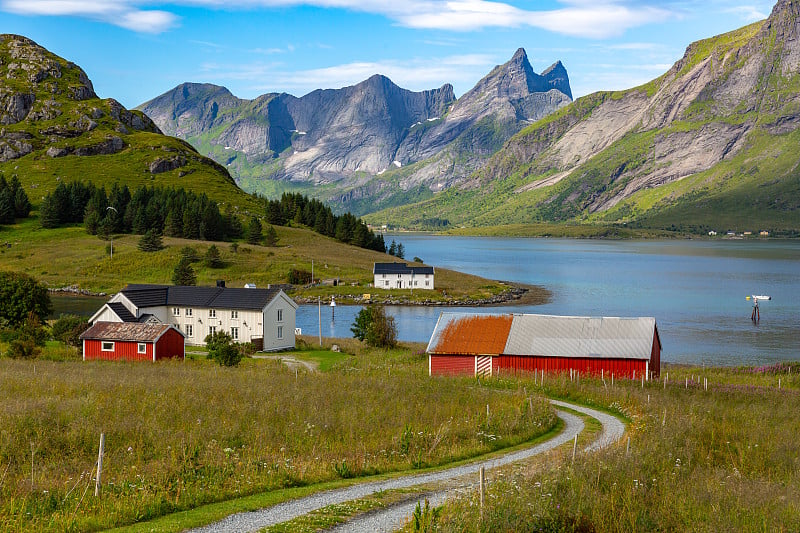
184 434
69 256
722 459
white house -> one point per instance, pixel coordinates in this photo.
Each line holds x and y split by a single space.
265 317
402 276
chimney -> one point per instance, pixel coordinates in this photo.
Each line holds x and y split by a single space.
221 283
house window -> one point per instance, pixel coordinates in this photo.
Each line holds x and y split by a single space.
188 329
189 312
384 275
107 346
142 348
427 283
212 313
387 282
280 332
212 330
399 276
235 334
234 314
176 311
280 315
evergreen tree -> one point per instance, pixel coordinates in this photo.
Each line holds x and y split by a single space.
48 213
401 251
151 241
6 206
213 259
173 224
22 204
184 273
393 248
254 231
271 237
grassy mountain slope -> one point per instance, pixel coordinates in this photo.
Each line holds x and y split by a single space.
54 127
710 144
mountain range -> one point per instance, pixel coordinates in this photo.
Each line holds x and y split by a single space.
352 146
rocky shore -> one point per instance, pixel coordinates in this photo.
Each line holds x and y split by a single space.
75 290
514 295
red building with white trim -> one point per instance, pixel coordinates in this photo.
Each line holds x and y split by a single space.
132 341
473 344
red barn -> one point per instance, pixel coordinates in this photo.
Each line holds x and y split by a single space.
469 344
132 341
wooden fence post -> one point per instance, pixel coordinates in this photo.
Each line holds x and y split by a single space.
100 464
482 480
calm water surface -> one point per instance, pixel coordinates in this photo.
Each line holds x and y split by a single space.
695 289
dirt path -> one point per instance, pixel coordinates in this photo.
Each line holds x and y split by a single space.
392 518
291 362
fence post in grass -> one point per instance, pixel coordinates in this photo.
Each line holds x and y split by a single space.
487 415
100 464
612 379
642 380
482 483
628 447
648 399
664 420
779 383
687 383
574 448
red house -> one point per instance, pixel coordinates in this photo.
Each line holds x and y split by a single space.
132 341
469 344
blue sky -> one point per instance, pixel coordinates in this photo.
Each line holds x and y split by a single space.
134 50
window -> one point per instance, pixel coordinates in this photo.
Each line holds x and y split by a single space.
234 314
142 348
416 283
384 275
427 283
176 311
188 329
399 276
235 334
280 315
212 330
387 282
107 346
189 312
280 332
212 313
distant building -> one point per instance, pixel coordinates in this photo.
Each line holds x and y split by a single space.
747 233
712 233
265 317
481 344
132 341
763 233
402 276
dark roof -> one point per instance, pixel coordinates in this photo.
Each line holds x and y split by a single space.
400 268
122 312
126 331
212 297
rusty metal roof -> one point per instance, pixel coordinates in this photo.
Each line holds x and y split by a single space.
470 334
126 331
544 335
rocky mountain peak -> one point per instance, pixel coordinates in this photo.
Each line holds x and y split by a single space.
556 76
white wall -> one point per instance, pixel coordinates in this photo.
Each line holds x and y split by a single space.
271 340
407 281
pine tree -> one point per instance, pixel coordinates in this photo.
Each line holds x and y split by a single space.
48 213
151 241
393 248
184 273
272 236
401 251
6 206
254 231
213 258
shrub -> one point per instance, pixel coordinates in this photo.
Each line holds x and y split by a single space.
299 277
373 326
222 350
68 329
213 259
21 295
190 254
151 241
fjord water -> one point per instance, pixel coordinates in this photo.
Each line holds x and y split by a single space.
695 290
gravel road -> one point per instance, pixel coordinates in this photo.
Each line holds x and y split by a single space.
392 518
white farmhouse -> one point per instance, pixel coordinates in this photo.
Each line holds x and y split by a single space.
402 276
265 317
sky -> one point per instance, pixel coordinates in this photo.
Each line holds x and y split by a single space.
135 50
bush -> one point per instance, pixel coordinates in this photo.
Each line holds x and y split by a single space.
151 241
299 277
213 258
190 254
222 349
373 326
25 341
21 295
68 329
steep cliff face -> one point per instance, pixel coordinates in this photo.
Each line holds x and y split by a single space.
372 140
53 126
719 124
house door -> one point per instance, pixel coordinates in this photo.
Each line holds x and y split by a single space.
399 284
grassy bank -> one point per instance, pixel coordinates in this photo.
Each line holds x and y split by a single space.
69 256
722 459
568 231
183 434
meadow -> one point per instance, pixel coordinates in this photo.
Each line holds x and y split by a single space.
721 458
179 435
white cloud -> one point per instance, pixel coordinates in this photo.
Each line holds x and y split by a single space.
597 19
748 13
120 13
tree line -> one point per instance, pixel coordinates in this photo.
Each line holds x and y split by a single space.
172 212
299 209
14 203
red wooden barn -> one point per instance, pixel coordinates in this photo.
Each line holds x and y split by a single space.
470 344
132 341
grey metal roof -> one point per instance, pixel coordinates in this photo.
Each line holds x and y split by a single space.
575 336
122 312
190 296
401 268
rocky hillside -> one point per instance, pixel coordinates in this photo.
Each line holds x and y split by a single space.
370 144
53 126
711 144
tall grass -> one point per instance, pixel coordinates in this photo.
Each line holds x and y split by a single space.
181 434
722 459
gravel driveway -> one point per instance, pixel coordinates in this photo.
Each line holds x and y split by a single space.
394 517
